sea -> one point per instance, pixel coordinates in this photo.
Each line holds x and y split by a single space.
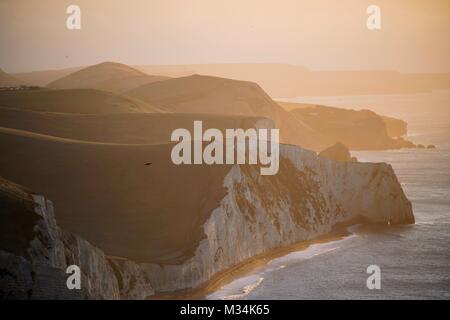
414 260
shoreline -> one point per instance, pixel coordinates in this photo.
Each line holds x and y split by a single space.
249 266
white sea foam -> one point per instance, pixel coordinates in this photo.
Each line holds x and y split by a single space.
243 286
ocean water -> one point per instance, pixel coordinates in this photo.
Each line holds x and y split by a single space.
414 260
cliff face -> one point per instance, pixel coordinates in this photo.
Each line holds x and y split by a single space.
35 253
395 127
338 152
305 199
308 196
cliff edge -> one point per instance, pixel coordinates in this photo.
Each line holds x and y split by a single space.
35 254
306 199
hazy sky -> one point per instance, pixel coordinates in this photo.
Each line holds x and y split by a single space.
319 34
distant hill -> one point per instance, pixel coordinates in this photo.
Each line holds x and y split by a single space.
214 95
42 78
7 80
358 130
108 76
284 80
221 103
83 101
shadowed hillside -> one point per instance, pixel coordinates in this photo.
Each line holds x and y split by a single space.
73 101
111 198
133 128
212 95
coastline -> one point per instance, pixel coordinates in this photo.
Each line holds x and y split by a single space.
251 265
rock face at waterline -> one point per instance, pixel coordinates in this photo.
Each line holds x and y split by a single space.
337 152
308 196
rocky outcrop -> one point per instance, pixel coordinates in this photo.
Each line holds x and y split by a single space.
395 127
307 198
337 152
35 253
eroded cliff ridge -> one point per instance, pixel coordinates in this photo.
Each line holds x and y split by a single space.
308 196
35 254
304 200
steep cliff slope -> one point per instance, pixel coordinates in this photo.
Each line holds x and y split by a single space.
306 199
152 214
395 127
35 253
232 215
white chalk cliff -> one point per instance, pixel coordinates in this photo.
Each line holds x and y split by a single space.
304 200
307 197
